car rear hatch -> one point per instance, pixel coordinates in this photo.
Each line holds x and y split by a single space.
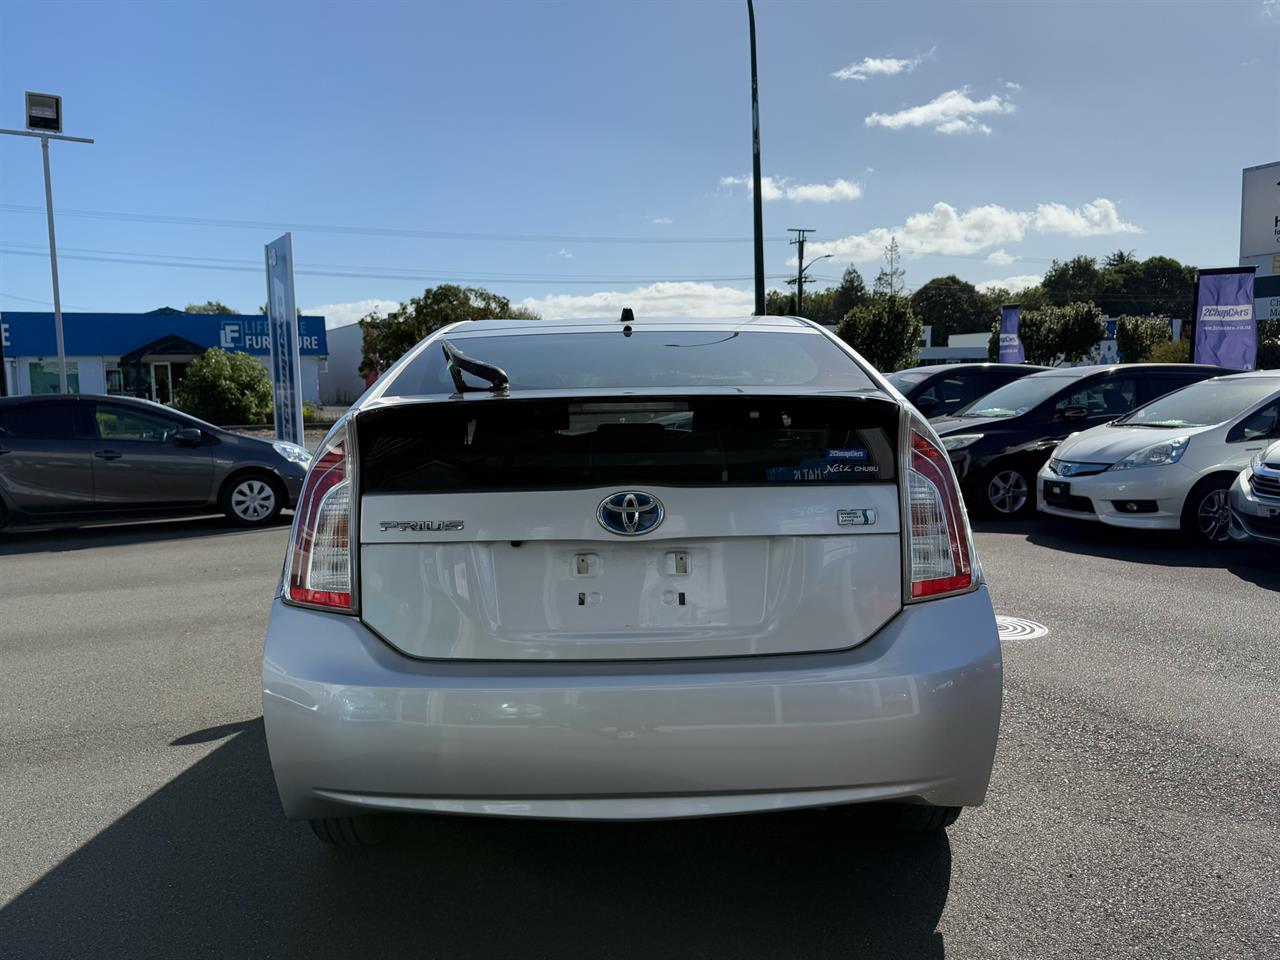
629 527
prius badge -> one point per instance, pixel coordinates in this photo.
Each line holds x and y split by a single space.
630 513
420 526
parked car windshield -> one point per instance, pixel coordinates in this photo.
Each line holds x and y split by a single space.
1201 404
904 381
656 358
1019 396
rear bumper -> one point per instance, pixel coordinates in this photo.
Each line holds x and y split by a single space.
1253 517
912 713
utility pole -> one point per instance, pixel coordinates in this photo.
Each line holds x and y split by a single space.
798 243
44 122
756 192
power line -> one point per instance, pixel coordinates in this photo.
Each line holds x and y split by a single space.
277 225
361 272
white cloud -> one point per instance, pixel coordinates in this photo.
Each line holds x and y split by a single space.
341 314
1092 220
1000 258
1013 284
1271 10
951 112
948 231
880 67
670 299
565 253
781 188
1010 85
661 221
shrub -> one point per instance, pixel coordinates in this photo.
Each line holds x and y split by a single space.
1178 351
884 330
1136 337
225 388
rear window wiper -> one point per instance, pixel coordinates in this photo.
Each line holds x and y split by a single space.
459 363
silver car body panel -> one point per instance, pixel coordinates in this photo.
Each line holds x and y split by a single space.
353 726
533 574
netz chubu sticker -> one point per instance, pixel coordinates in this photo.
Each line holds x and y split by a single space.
826 469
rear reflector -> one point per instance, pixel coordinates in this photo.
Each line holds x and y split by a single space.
940 551
319 573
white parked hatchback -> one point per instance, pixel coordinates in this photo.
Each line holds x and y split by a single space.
1170 464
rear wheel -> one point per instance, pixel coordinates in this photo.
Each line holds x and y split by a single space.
348 832
902 817
252 499
1206 516
1008 492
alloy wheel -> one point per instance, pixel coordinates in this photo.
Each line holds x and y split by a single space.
253 500
1214 516
1007 492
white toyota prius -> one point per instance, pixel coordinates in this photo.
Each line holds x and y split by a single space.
629 570
1170 464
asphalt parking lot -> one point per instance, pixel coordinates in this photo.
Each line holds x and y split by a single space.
1134 809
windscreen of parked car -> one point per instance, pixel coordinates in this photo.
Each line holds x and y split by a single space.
906 382
1018 397
657 358
1201 404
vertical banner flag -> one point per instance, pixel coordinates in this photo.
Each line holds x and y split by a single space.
1226 330
282 315
1010 346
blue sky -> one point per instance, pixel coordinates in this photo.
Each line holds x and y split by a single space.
988 137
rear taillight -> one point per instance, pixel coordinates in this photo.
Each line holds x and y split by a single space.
940 549
319 563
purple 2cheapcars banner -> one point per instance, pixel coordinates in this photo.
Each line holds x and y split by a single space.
1010 343
1226 329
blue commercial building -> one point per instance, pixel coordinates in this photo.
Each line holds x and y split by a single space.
140 354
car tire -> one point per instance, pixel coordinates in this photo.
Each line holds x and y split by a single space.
252 499
1007 492
1206 515
347 832
902 817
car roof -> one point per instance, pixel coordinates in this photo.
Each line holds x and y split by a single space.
1076 373
499 326
975 365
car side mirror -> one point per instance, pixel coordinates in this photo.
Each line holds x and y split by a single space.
188 436
1073 412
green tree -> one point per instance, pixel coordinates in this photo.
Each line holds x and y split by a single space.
209 306
1118 259
224 388
892 278
1173 351
885 331
850 293
1071 281
388 338
1136 337
950 305
1055 335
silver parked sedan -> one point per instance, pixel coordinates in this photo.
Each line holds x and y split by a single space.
84 458
593 570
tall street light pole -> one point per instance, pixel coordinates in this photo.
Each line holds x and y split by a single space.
44 121
756 192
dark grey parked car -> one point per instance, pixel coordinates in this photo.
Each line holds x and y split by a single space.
87 458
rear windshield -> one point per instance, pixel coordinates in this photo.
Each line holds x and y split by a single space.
1019 396
655 358
538 444
1201 404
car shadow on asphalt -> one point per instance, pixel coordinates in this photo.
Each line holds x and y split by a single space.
208 866
1255 562
17 541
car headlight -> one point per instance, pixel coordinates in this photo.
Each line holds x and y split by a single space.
292 452
1258 457
958 441
1156 455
